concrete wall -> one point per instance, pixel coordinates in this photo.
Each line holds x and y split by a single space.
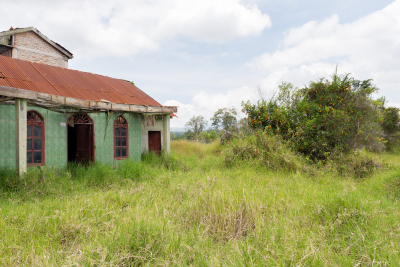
7 136
168 121
56 136
29 46
157 127
104 136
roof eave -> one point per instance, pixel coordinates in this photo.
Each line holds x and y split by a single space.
56 100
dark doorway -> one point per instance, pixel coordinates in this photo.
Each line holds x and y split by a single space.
155 141
80 139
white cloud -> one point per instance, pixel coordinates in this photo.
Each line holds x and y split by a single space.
206 104
122 28
395 105
367 48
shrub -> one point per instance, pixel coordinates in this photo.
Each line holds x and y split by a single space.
207 137
324 118
391 127
269 150
358 164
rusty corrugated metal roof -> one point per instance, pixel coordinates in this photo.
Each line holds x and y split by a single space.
69 83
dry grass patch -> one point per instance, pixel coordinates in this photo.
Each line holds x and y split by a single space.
222 220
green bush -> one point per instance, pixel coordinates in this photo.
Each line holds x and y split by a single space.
208 137
324 118
264 148
391 127
358 165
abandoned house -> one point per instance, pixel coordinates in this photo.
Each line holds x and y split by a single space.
51 115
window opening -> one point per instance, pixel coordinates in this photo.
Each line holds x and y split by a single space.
121 144
35 139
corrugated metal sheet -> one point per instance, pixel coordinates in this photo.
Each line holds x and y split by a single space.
3 82
70 83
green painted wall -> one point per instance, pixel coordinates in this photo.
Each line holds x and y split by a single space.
7 136
104 136
55 145
56 136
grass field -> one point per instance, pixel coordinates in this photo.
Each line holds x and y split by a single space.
193 209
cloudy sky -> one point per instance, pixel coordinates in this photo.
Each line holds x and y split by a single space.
209 54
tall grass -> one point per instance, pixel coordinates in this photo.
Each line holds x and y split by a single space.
193 209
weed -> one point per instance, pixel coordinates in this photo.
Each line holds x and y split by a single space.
268 150
358 165
194 208
222 220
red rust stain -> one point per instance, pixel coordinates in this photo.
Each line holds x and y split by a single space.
69 83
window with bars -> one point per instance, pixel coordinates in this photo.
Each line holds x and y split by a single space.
121 142
35 139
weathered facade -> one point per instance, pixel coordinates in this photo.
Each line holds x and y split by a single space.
50 115
55 136
30 44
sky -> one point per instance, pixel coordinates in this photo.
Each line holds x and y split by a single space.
210 54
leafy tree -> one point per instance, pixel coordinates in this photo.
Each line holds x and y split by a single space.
225 118
213 135
391 127
189 135
205 137
322 118
197 125
391 120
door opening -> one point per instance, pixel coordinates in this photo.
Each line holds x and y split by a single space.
80 139
155 141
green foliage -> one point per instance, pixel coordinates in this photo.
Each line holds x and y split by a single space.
357 165
391 120
193 209
265 149
189 135
324 118
197 124
208 137
391 127
225 119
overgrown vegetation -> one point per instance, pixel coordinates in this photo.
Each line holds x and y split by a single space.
268 150
303 184
327 117
391 127
206 205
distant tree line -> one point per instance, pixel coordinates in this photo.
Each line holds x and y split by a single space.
224 119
